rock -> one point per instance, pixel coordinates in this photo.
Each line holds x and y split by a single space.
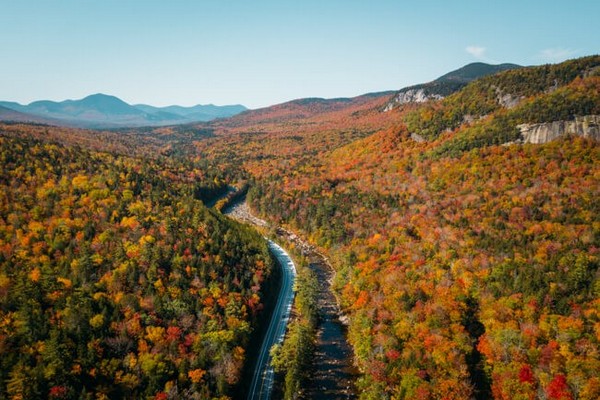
468 119
507 100
411 96
585 126
594 71
417 138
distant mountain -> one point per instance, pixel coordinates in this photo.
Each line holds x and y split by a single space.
195 113
473 71
104 111
8 114
446 84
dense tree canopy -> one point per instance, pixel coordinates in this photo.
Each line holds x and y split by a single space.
467 267
115 281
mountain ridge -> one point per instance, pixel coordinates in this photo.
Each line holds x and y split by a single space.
198 112
11 115
106 111
446 84
310 107
475 70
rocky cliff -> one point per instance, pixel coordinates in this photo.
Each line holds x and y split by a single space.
586 126
411 96
507 100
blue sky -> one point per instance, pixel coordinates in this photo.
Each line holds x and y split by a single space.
259 53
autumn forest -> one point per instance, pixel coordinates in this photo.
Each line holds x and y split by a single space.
465 253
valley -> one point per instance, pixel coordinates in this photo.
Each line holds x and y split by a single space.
445 244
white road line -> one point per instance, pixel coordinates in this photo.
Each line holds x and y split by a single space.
262 380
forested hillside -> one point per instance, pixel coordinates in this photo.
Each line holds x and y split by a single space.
549 93
468 266
481 270
115 280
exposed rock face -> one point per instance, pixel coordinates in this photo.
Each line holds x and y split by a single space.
594 71
417 138
411 96
586 126
507 100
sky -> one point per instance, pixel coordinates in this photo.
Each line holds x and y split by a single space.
259 52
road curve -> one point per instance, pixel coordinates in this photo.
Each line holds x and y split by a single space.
263 377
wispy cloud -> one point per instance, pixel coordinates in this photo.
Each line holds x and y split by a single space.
556 54
476 51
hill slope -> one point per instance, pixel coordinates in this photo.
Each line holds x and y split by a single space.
528 95
307 108
446 84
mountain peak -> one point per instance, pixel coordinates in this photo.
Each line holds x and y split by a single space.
474 71
106 104
446 84
101 96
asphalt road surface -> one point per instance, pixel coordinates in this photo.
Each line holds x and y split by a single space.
262 380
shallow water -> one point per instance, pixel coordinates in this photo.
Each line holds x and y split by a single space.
334 373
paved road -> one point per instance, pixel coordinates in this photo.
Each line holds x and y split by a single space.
262 380
263 377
